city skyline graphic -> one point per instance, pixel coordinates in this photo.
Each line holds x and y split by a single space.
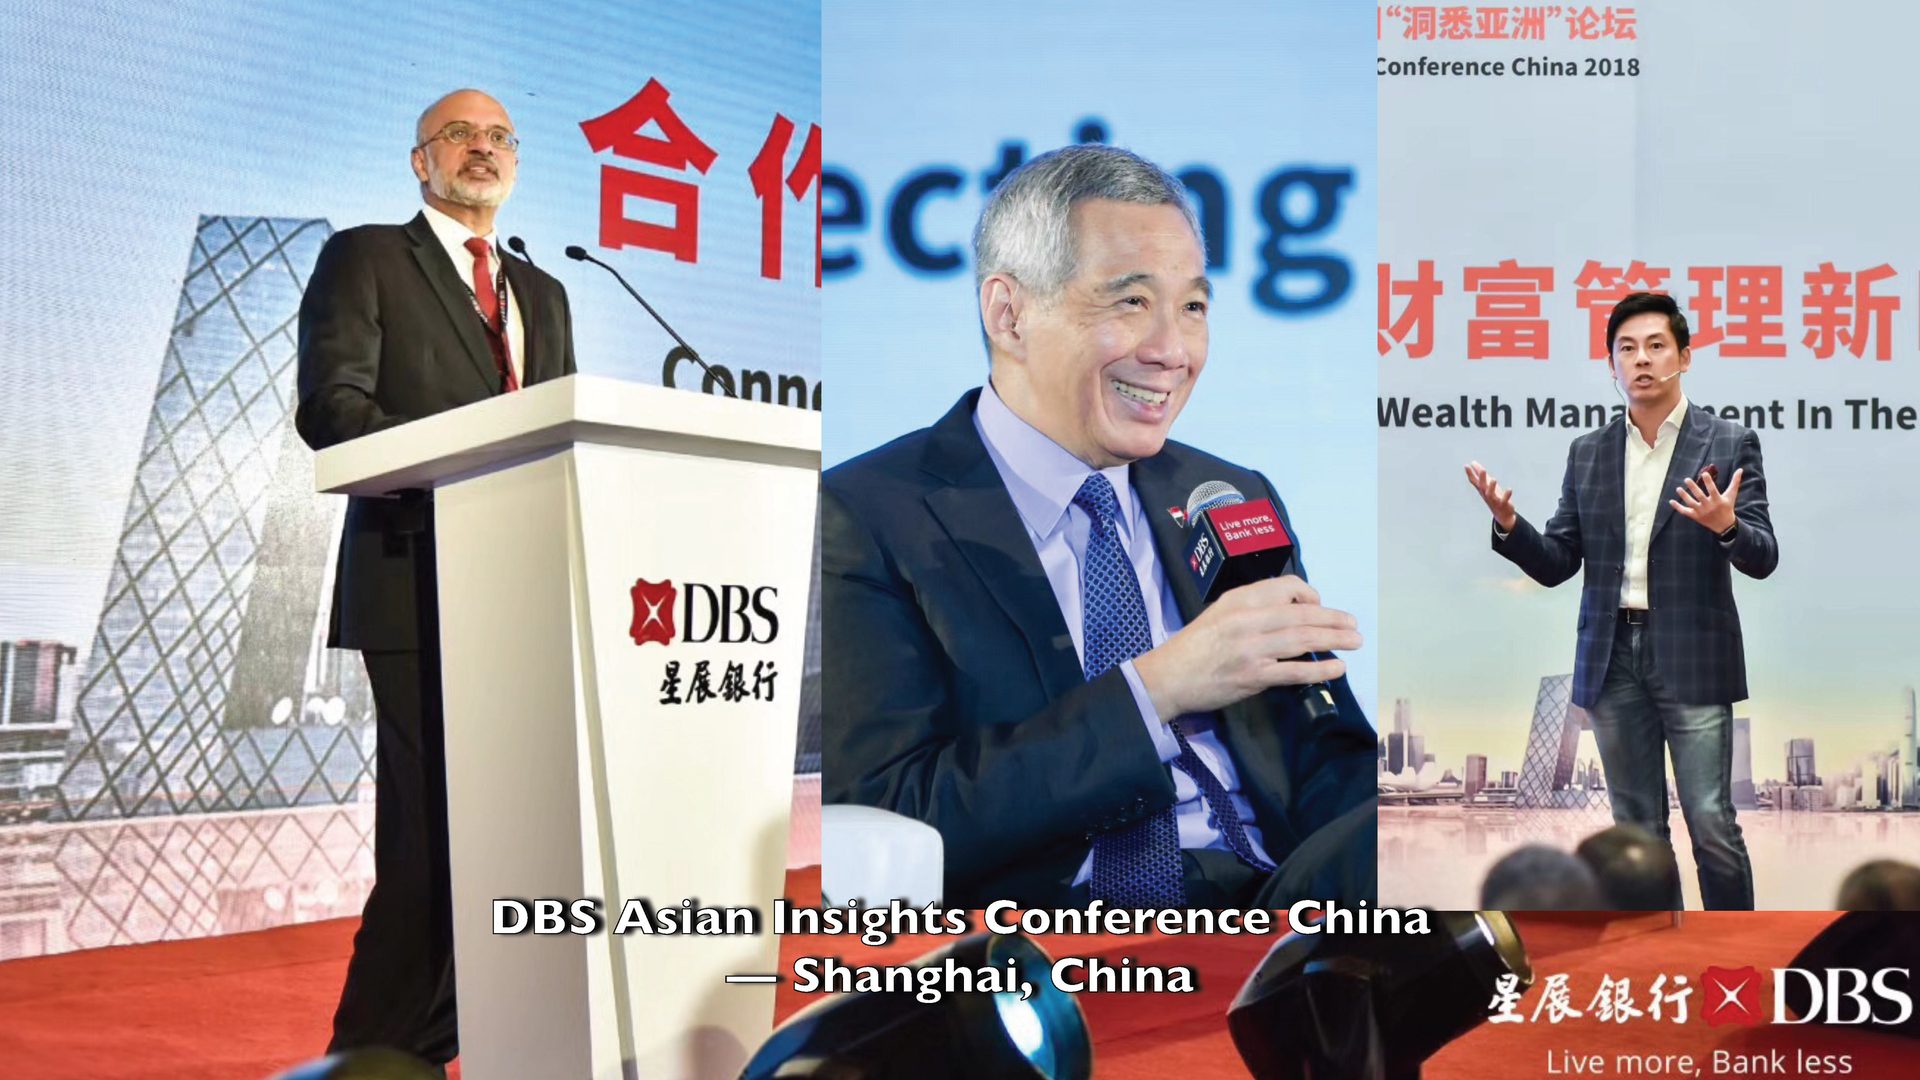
1559 767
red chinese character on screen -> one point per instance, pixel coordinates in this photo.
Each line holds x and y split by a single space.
765 172
1456 23
1490 24
1416 318
1619 24
1530 23
1583 24
1419 22
1507 318
1755 299
676 148
1840 309
1600 289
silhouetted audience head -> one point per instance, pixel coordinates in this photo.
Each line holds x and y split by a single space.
375 1063
1881 885
1540 878
1635 869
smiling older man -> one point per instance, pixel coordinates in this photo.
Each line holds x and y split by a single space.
400 322
1008 656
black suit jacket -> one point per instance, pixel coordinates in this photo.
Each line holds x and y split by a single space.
1695 628
388 334
953 693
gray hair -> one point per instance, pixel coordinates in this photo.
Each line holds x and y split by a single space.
1026 229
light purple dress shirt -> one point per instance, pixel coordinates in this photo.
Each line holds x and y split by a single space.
1043 477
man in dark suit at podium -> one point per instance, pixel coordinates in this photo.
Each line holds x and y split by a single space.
400 322
1016 653
1660 659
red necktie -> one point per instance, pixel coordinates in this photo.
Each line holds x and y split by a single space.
489 300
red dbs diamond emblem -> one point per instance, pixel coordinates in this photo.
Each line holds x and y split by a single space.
652 612
1732 996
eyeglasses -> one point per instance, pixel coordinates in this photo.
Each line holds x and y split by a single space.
460 133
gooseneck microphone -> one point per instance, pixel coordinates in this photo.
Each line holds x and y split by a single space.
519 247
1236 542
579 254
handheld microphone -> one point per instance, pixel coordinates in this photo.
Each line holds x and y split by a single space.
1235 543
579 254
519 248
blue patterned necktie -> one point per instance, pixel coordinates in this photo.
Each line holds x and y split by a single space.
1138 865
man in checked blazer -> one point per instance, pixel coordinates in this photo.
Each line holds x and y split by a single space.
1660 660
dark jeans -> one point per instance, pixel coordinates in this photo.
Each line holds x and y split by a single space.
1633 720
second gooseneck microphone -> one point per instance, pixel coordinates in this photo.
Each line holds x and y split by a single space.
579 254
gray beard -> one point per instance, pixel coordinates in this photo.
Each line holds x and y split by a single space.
460 191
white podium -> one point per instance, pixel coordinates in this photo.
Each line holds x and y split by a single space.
623 576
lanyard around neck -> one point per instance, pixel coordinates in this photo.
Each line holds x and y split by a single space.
499 292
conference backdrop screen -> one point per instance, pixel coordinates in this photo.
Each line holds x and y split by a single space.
164 566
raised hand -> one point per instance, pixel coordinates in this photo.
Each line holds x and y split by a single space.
1707 504
1498 499
1245 642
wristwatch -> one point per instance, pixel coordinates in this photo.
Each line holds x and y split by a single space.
1732 531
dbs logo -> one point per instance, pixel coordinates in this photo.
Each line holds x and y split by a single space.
652 612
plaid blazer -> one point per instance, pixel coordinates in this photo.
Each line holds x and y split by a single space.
1695 628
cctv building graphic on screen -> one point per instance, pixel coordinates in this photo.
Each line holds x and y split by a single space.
208 686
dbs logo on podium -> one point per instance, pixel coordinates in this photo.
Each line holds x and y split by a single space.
723 616
652 612
710 614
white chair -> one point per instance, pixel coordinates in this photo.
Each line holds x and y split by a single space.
875 856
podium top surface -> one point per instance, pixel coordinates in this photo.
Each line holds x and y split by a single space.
553 415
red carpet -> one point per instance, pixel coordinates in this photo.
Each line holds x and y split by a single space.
243 1006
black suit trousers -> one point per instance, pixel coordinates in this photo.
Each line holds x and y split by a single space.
399 989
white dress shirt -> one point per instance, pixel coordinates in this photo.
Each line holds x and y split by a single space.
453 236
1646 485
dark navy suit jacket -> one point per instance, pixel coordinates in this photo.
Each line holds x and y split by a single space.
953 693
1695 628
